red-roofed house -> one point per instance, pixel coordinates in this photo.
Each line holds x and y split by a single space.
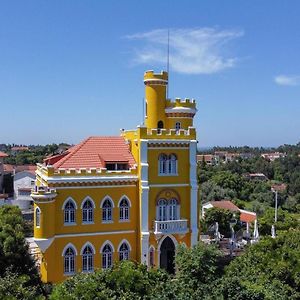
245 215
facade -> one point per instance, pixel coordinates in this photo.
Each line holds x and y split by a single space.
24 181
128 197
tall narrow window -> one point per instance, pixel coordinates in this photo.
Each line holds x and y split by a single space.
69 261
162 210
172 164
172 209
87 259
69 212
87 212
162 163
177 126
37 217
151 256
160 125
124 252
107 256
107 211
124 209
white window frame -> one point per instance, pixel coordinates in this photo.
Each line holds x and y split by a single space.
167 165
169 211
87 212
124 211
107 212
124 254
107 256
37 217
69 212
70 245
87 258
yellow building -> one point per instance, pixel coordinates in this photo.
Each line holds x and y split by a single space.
128 197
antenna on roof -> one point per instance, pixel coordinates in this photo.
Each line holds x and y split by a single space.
168 62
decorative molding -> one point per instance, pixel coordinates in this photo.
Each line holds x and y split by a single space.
93 233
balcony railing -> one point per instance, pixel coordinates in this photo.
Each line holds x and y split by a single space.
170 226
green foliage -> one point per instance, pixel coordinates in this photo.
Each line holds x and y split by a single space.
198 270
14 286
126 280
14 254
268 270
222 216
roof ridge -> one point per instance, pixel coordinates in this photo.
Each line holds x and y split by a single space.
60 162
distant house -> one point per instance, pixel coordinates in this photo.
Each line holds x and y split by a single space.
207 158
256 176
18 149
272 156
245 215
246 155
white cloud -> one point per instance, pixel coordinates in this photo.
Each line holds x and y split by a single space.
192 51
291 80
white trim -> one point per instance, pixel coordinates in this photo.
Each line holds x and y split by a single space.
40 211
69 245
93 233
126 242
169 141
67 200
85 199
110 244
76 179
180 117
51 201
92 187
193 193
166 147
110 199
124 196
88 244
180 109
170 185
44 244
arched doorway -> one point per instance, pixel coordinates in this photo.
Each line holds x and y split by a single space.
167 255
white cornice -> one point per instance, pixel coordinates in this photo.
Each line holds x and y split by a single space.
86 179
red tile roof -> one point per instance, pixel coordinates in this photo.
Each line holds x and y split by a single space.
2 154
247 216
21 168
93 153
224 204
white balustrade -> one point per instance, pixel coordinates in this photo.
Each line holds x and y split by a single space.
170 226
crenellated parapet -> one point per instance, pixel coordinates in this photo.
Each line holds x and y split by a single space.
146 133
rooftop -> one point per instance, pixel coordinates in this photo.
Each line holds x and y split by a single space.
94 152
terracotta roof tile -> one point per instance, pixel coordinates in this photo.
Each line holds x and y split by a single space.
224 204
2 154
94 152
247 217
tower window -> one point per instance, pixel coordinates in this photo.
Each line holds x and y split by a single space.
167 210
167 164
160 125
177 126
37 217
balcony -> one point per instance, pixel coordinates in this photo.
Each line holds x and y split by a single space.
171 226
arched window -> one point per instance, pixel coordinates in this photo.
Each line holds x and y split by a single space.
37 217
167 210
162 210
172 209
87 212
162 163
151 256
69 212
124 209
177 126
107 256
160 124
106 210
172 164
124 251
69 261
87 259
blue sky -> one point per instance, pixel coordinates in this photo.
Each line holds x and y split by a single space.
71 69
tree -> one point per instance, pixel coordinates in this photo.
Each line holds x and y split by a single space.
267 270
198 271
222 216
125 280
14 254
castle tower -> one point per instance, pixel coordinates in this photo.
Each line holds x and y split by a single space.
155 97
